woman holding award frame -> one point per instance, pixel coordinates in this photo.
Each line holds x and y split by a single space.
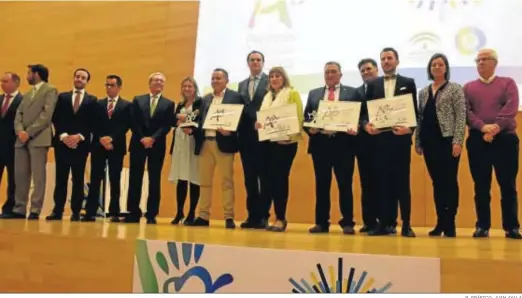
278 154
184 166
439 137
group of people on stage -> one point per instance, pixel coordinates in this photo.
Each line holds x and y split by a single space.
76 124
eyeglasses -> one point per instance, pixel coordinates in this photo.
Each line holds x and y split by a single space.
484 59
110 85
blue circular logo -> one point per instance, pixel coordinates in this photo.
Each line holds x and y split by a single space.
469 40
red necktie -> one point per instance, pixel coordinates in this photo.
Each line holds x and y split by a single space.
5 106
331 94
76 105
110 108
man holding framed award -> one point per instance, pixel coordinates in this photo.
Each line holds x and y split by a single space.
216 144
392 112
332 145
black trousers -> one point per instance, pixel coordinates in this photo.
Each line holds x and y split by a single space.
7 162
364 147
99 160
69 161
154 158
392 159
257 201
443 170
277 163
502 156
333 153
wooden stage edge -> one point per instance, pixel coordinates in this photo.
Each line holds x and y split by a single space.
65 257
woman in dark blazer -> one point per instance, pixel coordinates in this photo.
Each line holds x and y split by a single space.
439 137
184 169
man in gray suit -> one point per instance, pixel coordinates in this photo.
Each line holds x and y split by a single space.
34 134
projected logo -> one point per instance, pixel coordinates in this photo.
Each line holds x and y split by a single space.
432 4
179 266
337 283
422 45
469 40
264 7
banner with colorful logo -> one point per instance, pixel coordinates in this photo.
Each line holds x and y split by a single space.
173 267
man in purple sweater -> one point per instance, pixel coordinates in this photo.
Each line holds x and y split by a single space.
492 105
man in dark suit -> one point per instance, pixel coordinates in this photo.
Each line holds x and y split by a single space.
332 150
73 123
253 90
392 162
369 71
9 102
216 148
109 146
151 122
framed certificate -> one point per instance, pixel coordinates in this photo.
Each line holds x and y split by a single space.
395 111
278 123
339 115
225 116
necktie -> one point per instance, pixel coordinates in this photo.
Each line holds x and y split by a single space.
110 107
5 106
153 104
331 94
76 105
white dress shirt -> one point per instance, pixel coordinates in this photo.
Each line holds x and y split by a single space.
337 91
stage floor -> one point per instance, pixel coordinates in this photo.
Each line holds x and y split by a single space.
97 257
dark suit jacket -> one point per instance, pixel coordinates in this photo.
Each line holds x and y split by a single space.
7 131
116 127
66 121
315 96
403 85
246 129
195 107
227 144
157 126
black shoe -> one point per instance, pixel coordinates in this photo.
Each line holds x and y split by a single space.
115 219
33 216
319 229
54 216
188 220
229 223
481 233
131 219
407 232
380 231
253 224
365 229
200 222
348 230
151 221
437 231
75 217
179 217
450 230
513 234
12 215
88 218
